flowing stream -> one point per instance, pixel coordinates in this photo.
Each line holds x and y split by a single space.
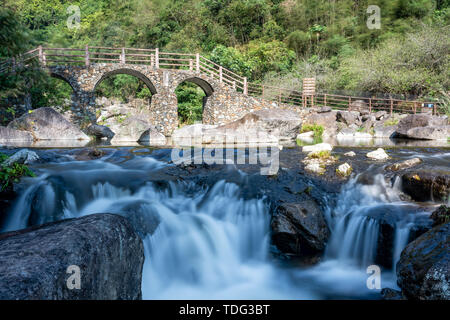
209 242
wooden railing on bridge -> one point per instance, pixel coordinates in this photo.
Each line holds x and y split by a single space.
195 62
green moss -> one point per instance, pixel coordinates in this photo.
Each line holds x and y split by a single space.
317 129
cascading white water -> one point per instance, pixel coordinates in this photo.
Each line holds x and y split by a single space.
211 243
355 221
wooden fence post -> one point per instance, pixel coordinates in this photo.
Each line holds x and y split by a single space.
152 60
325 99
392 106
434 109
370 105
220 74
42 58
122 56
157 58
349 102
415 107
197 62
245 86
86 56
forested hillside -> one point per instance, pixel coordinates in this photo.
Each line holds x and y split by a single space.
271 41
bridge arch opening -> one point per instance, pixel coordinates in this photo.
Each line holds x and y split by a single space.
60 92
192 94
129 89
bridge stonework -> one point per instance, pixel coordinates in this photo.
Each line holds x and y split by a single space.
222 103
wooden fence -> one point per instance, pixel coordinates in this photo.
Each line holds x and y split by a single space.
195 62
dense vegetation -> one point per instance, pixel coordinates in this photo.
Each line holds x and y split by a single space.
271 41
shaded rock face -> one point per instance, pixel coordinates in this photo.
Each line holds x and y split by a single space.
100 131
384 132
423 126
423 270
153 137
347 117
283 124
391 294
426 185
440 215
47 124
13 135
299 228
325 119
110 255
23 156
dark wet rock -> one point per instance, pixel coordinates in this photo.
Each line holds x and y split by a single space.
99 131
423 270
110 255
440 215
406 164
424 127
299 228
391 294
8 135
89 154
387 217
47 124
426 185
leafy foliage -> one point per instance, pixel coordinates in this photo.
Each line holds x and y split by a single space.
12 174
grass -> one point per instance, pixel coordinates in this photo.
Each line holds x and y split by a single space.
322 155
317 129
391 122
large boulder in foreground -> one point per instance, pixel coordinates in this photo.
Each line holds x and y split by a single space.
34 262
426 185
280 123
300 228
423 270
13 135
424 127
47 124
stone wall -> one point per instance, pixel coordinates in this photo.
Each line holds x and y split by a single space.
223 104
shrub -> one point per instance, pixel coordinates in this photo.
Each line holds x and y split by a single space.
318 130
12 174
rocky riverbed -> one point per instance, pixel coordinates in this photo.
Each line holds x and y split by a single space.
297 226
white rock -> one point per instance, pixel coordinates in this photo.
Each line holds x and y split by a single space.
23 156
344 169
363 135
303 135
378 154
318 147
350 154
314 166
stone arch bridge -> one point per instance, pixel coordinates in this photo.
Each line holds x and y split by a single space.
226 98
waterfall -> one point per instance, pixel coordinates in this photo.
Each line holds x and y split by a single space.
209 242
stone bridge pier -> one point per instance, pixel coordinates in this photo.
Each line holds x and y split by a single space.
222 103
